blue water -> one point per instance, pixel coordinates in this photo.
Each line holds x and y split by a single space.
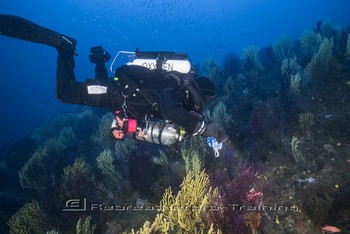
203 29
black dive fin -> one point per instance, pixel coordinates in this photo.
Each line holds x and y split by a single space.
20 28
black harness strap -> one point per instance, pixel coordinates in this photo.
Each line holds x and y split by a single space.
161 133
147 95
131 87
115 96
133 77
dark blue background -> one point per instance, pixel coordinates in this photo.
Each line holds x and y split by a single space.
203 29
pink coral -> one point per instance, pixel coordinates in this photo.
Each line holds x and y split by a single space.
254 196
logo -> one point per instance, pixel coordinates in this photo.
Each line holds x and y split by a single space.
75 205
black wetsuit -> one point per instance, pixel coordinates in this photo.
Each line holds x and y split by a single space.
156 94
104 92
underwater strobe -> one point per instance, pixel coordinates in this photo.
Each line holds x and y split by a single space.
158 132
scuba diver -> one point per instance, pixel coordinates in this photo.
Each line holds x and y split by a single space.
152 101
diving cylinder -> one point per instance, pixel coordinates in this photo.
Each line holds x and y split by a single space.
162 132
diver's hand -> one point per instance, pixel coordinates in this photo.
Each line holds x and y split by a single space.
98 55
67 46
215 130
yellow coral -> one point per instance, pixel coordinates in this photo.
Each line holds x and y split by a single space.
161 159
78 166
297 155
192 153
212 230
101 137
186 209
29 219
77 178
322 62
253 221
283 48
219 114
185 212
290 66
123 149
160 225
310 42
105 163
251 60
295 84
28 174
85 227
306 120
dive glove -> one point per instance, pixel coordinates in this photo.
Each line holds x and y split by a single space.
67 47
98 55
214 130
